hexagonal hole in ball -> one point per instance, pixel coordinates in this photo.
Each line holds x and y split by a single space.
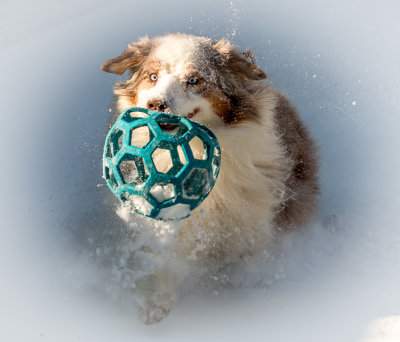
162 160
163 192
199 148
132 169
132 116
171 124
181 155
110 179
140 136
196 183
114 142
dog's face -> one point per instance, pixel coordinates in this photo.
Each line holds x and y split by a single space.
189 76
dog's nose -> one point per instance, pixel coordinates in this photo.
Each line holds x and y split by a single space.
157 105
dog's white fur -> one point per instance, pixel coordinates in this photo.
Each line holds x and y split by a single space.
238 218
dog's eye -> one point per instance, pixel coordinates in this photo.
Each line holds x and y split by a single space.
153 77
193 80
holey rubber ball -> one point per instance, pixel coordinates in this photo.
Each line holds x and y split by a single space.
162 165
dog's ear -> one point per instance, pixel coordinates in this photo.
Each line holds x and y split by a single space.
241 64
131 59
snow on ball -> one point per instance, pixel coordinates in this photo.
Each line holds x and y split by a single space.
161 164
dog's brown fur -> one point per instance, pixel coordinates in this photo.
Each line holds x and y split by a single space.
303 181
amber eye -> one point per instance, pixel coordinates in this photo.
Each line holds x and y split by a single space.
153 77
193 80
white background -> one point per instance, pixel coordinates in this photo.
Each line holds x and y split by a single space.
337 61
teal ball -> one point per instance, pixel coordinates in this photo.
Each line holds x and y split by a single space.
162 165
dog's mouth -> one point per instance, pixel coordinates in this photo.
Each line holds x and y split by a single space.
170 127
192 114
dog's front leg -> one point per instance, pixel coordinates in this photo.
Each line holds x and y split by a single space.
156 294
155 261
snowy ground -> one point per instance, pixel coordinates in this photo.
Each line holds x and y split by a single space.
338 63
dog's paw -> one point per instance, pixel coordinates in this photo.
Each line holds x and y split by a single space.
154 314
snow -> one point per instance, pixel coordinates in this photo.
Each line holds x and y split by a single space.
139 203
175 212
337 280
163 192
384 329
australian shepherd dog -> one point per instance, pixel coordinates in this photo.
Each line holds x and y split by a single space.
268 177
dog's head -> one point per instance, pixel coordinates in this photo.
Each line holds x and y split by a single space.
195 77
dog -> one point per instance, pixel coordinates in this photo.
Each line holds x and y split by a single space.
268 180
